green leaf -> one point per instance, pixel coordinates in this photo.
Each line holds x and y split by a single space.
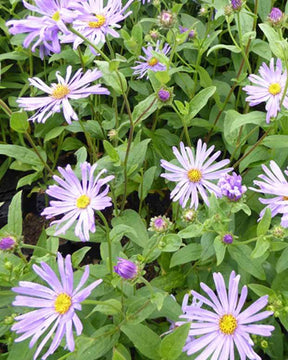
170 243
147 182
118 231
109 307
172 345
21 351
139 308
78 255
262 245
262 290
137 155
15 215
144 339
132 218
18 121
241 254
121 353
115 79
191 231
273 39
98 344
22 154
200 100
264 223
187 254
276 141
231 48
282 263
112 153
54 133
220 250
144 108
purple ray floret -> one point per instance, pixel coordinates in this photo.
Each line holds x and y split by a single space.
77 200
219 325
59 94
56 306
195 174
274 183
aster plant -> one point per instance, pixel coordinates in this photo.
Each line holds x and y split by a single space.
195 174
78 199
68 88
269 88
219 325
56 306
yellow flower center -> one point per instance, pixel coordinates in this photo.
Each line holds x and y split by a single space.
153 61
194 175
56 16
228 324
285 198
274 88
83 201
97 24
62 303
60 92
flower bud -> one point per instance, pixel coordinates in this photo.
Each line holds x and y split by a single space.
227 239
126 269
163 95
8 243
278 232
276 16
154 34
166 19
159 224
264 344
112 134
189 215
236 4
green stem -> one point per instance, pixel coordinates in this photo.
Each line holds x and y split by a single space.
29 138
185 128
36 247
102 217
89 142
5 108
59 144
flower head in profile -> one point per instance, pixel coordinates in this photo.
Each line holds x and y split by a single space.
231 186
126 269
44 31
236 4
276 16
59 94
77 199
269 87
8 243
149 61
95 21
219 325
274 183
195 174
55 304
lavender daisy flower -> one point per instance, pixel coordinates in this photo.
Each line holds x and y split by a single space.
44 30
231 186
149 61
56 304
269 88
77 199
195 175
126 269
59 94
274 183
224 326
95 21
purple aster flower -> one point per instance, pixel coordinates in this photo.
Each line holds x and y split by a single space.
56 304
191 33
95 21
236 4
77 199
59 94
268 88
275 16
159 224
223 326
195 175
231 186
44 30
149 61
227 239
164 95
274 183
8 243
126 268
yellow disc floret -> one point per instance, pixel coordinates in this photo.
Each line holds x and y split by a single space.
97 24
62 303
194 175
228 324
56 16
60 92
285 198
274 88
153 61
83 201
